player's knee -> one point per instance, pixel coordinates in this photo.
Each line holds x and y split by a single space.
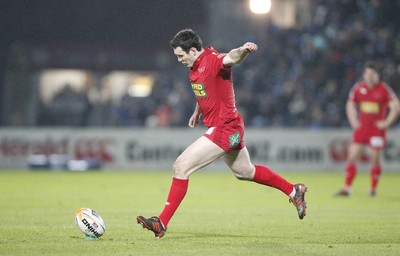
240 177
243 174
375 161
179 170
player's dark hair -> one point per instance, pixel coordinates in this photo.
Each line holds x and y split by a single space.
186 39
371 65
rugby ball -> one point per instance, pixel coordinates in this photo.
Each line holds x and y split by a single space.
90 222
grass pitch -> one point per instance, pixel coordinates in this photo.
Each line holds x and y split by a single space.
219 216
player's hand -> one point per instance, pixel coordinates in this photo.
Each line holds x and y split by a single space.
194 120
356 125
250 47
382 124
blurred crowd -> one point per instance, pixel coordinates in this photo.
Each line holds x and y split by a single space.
304 74
300 77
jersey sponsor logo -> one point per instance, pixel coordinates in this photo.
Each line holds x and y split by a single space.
221 55
234 139
199 90
369 107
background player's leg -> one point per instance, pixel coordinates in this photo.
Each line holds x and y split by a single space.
354 153
375 170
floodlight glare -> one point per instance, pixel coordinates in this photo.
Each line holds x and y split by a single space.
260 6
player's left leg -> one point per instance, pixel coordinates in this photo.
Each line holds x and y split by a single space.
199 154
375 172
239 163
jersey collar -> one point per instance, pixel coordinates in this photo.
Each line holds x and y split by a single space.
207 51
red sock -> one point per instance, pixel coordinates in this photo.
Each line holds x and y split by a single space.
266 176
375 174
176 194
351 171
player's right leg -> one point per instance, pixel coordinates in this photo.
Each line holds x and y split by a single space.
354 153
199 154
239 163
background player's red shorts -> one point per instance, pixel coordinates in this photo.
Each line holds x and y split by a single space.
372 136
228 136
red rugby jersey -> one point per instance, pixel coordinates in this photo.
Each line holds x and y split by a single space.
372 103
213 88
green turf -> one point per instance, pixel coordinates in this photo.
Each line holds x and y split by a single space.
219 216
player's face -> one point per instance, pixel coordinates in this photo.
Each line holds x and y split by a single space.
186 59
371 77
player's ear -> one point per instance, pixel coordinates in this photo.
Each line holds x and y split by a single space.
193 51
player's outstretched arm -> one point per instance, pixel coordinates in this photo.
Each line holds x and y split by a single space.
237 55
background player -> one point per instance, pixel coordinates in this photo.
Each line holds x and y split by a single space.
211 80
367 110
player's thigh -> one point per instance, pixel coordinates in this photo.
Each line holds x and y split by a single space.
199 154
240 164
375 156
354 151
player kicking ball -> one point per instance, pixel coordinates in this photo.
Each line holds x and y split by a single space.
211 80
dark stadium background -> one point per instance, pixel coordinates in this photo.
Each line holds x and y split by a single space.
327 45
